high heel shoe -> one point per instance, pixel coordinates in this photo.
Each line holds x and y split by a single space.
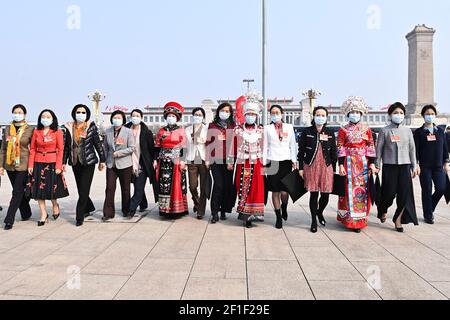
383 218
56 216
215 218
314 227
399 229
248 224
43 223
284 211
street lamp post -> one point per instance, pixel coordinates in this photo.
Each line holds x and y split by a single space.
312 95
264 61
96 98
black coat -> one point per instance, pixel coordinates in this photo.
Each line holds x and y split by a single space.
431 154
447 135
90 146
309 144
148 152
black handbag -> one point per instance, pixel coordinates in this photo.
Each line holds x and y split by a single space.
294 185
339 184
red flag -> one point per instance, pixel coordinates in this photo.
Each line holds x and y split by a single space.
239 116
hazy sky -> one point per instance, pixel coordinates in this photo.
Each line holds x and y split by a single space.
148 52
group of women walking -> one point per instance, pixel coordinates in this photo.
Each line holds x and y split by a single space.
233 165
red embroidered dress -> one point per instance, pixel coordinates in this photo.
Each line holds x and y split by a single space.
248 152
356 147
171 179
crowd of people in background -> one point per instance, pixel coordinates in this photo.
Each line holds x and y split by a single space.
233 164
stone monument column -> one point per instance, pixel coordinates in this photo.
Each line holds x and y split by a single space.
421 72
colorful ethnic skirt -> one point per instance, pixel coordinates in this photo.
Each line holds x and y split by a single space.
250 190
354 208
171 179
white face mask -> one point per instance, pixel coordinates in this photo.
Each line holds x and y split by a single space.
136 120
224 116
171 120
18 117
117 122
197 120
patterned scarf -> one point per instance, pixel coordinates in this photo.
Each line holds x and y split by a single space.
13 149
78 131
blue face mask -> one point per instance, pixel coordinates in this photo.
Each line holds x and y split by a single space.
277 118
398 118
80 117
117 122
320 120
430 119
197 120
354 118
46 122
224 116
18 117
250 119
136 121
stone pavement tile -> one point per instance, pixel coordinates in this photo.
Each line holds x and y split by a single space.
387 237
434 240
397 282
181 241
6 275
215 289
66 231
359 247
122 258
25 255
264 242
94 242
20 298
220 267
443 287
92 287
22 233
343 290
157 279
302 237
325 263
277 280
428 264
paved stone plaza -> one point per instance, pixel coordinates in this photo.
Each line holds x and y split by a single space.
149 258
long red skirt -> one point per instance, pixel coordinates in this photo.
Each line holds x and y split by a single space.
250 191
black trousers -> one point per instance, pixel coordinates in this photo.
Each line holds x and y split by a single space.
430 200
224 192
124 176
139 197
18 201
397 184
83 177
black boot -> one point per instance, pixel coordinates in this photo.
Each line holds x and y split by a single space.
223 216
284 210
248 224
279 224
215 218
321 218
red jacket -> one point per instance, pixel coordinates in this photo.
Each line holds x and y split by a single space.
47 149
218 143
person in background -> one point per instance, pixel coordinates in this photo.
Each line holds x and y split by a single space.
280 158
432 162
83 144
45 165
119 145
247 154
143 158
171 165
356 154
218 142
396 150
196 135
447 135
317 160
14 157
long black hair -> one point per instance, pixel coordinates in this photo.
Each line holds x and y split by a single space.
230 120
54 126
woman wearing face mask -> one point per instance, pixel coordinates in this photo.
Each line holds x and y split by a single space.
218 142
45 165
119 145
196 135
396 151
143 158
432 162
356 154
317 160
83 144
14 156
280 158
171 165
247 152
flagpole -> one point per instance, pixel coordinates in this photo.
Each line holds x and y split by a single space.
264 61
